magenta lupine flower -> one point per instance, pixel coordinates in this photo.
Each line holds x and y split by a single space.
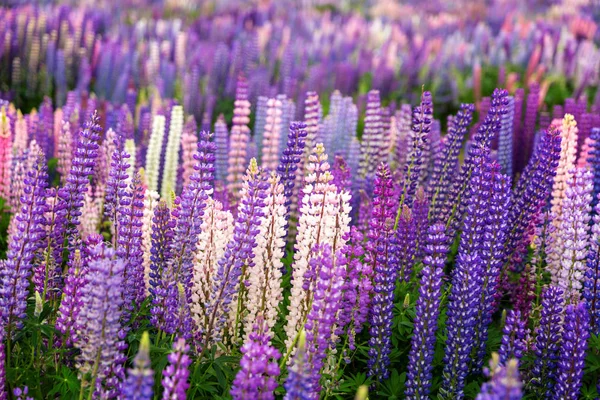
23 245
572 352
175 375
547 342
99 319
140 378
320 322
381 257
504 383
427 311
513 337
257 378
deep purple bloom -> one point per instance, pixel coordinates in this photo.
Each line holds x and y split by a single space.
591 285
513 337
175 375
292 154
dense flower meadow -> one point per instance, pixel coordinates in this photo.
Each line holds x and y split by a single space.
259 200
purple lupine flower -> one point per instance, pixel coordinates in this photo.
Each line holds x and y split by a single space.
381 257
406 235
298 385
547 342
594 162
320 321
493 254
572 352
505 139
3 394
116 185
525 139
22 393
427 311
189 211
591 284
222 143
504 384
257 377
129 242
260 119
420 211
403 128
372 145
238 254
530 194
140 378
467 286
478 151
99 318
71 196
239 138
342 175
175 375
162 237
358 287
421 126
447 165
288 165
513 337
27 239
71 302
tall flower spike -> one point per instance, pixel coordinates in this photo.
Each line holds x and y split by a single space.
406 235
427 311
298 383
28 238
238 142
239 257
372 145
591 285
272 135
505 139
403 128
421 126
257 377
189 145
513 337
566 163
99 319
169 173
175 375
594 161
572 352
547 343
222 142
154 150
140 378
290 159
382 258
504 383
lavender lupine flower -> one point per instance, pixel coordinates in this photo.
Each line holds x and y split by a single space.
421 126
257 378
591 284
372 144
572 352
175 375
99 318
447 165
298 385
524 145
420 210
505 139
238 257
341 172
403 132
22 393
513 337
222 143
71 302
140 378
426 314
505 383
358 287
240 136
595 163
406 238
320 322
382 258
530 194
290 159
260 120
467 286
189 211
71 196
27 239
547 342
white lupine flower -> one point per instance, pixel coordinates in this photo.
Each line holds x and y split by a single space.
169 181
154 150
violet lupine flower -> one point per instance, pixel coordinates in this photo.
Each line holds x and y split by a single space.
572 352
140 378
447 165
421 126
547 342
239 138
342 175
27 239
238 256
525 142
403 131
372 144
591 283
71 196
427 311
257 377
320 321
406 238
513 337
222 143
189 211
505 139
420 210
290 159
467 286
272 135
162 238
22 393
175 375
594 162
381 257
260 120
504 384
71 302
298 385
116 185
99 318
358 287
530 194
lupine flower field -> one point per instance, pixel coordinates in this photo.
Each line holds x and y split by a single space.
300 199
